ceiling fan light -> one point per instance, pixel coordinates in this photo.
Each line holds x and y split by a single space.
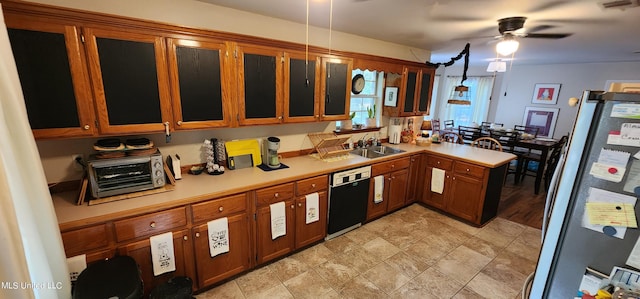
507 47
497 66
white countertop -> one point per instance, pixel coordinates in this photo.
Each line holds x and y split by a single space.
194 188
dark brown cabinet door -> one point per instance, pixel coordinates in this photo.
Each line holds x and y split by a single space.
199 78
434 199
424 100
465 198
375 210
315 231
260 79
267 247
416 179
53 76
336 88
301 87
410 78
214 269
397 189
130 81
140 251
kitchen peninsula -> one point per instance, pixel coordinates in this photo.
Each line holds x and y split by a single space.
472 186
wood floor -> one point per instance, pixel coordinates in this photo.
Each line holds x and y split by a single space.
519 204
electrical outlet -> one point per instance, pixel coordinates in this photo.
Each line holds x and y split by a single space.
74 162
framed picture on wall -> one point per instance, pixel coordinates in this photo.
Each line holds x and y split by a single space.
546 93
391 96
542 118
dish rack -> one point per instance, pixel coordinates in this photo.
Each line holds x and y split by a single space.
329 145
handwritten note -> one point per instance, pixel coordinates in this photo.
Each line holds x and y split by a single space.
614 214
604 196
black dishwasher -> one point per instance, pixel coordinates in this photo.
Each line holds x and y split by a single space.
348 197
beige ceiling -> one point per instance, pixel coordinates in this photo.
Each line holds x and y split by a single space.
445 26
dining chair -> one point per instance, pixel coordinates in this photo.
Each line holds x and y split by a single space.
435 126
487 143
531 162
451 137
527 129
448 125
469 134
508 140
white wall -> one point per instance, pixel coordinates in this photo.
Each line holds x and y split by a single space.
518 83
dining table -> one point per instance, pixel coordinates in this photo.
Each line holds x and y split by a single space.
544 145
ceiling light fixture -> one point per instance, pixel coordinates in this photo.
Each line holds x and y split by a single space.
507 46
498 66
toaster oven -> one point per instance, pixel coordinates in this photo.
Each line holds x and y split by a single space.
115 176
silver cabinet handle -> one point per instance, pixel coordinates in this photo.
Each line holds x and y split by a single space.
300 204
152 224
86 127
197 235
185 238
220 209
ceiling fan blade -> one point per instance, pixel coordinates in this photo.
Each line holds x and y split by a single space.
550 5
548 35
456 19
539 28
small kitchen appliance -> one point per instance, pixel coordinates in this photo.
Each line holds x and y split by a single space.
271 151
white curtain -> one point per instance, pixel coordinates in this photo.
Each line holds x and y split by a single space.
32 259
479 94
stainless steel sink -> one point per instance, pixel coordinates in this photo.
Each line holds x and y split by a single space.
376 151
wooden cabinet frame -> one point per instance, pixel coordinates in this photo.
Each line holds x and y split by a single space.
323 89
98 87
79 74
225 78
317 82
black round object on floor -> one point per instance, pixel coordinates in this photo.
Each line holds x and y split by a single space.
116 277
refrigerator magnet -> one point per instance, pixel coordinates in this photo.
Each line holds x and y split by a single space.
607 172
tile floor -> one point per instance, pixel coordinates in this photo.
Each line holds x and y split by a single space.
412 253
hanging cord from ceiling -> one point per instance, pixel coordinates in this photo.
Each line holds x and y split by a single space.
506 85
306 50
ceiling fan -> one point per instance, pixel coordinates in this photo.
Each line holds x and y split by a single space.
513 27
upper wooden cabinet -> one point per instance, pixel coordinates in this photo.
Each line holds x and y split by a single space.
336 88
259 85
55 83
130 81
415 92
199 72
302 73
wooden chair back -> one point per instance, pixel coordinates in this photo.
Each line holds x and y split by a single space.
452 137
435 125
448 124
469 134
507 139
487 143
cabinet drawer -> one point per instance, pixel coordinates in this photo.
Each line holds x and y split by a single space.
218 208
307 186
469 169
384 167
439 162
274 194
150 224
85 239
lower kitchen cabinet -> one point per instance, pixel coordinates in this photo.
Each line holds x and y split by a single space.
214 269
414 185
268 248
471 192
396 177
140 251
315 231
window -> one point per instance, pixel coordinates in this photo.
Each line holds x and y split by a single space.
369 96
479 94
